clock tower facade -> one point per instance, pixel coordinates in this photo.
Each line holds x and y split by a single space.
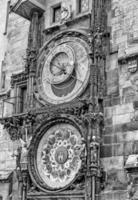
59 129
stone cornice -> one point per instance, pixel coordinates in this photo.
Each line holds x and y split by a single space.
18 78
69 22
25 8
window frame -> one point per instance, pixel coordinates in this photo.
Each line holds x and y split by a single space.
53 7
18 103
2 77
79 8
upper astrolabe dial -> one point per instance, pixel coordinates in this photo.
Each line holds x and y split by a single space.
60 65
64 72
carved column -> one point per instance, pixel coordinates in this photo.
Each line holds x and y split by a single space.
32 56
93 156
95 113
23 171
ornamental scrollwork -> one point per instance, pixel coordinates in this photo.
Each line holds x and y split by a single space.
13 126
18 78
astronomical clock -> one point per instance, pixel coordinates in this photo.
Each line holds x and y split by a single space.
58 146
58 106
63 70
56 155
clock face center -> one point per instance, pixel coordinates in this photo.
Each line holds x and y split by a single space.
61 155
61 64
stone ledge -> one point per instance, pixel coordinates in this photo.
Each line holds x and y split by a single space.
71 21
25 8
113 195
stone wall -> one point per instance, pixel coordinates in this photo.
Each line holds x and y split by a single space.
17 35
12 60
68 3
120 137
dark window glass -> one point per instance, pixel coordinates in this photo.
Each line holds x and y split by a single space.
3 77
57 14
83 6
23 94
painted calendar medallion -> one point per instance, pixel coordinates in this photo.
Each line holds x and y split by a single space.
58 155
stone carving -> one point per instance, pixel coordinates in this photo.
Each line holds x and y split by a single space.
65 12
31 60
98 42
18 78
94 145
13 126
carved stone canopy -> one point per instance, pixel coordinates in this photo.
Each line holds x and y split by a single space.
24 8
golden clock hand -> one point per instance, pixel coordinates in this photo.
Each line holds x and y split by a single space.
58 66
76 78
65 72
58 62
73 77
60 72
53 64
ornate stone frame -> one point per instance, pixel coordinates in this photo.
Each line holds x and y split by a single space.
18 81
39 132
65 36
